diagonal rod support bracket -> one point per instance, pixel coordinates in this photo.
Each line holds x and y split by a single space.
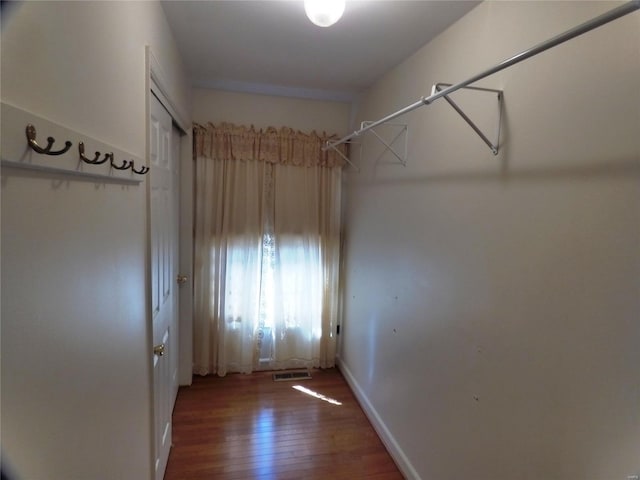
344 157
494 146
404 128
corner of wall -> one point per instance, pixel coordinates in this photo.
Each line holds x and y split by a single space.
392 446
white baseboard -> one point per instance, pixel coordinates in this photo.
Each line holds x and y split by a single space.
381 429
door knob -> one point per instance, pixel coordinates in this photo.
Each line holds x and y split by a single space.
159 350
182 279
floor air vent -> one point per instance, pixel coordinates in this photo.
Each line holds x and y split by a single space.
286 376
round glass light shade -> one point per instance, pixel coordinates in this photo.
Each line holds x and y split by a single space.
324 13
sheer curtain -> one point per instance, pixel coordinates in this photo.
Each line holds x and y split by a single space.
267 241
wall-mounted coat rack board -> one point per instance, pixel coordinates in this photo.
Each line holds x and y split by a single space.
443 90
63 152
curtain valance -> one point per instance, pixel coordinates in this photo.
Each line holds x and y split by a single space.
284 146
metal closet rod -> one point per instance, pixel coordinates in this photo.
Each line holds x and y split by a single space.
596 22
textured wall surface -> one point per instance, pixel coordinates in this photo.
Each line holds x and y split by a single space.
75 342
491 318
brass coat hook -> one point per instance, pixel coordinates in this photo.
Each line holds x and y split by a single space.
31 139
96 160
143 170
125 164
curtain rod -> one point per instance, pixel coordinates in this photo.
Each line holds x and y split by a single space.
596 22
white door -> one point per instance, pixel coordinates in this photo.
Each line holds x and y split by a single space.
164 251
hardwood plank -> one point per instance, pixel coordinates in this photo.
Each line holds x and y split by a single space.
242 427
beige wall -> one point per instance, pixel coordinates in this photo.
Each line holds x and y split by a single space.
75 343
262 111
491 323
83 65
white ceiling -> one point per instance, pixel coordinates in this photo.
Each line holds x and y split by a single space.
271 47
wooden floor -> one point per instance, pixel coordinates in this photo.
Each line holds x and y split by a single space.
249 427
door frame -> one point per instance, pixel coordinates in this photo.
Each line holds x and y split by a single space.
156 84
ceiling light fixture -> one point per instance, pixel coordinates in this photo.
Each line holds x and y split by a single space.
324 13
